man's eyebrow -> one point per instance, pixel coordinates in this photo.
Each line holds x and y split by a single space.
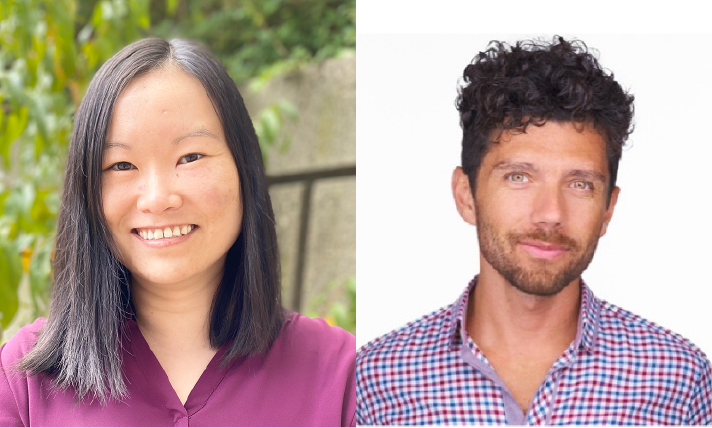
523 166
587 174
202 132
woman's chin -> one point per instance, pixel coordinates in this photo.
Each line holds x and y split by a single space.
157 278
175 273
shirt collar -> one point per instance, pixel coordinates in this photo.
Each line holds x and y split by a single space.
586 332
588 319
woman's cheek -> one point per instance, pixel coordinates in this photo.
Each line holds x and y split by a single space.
218 184
220 199
115 199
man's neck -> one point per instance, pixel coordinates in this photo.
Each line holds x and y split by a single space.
504 318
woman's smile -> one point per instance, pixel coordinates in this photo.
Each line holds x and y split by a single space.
163 237
152 233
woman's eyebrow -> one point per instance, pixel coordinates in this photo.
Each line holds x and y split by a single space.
111 144
202 132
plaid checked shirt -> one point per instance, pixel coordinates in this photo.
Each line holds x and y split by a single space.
620 369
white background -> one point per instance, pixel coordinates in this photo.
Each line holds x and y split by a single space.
415 254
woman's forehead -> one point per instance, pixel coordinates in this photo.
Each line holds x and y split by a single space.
162 103
164 85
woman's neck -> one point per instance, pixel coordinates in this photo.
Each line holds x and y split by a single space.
175 317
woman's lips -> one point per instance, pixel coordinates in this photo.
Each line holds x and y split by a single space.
164 242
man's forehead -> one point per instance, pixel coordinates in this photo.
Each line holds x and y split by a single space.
551 145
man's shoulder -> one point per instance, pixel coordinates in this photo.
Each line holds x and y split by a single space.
400 362
420 338
630 335
638 356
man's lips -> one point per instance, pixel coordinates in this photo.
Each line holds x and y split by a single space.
543 250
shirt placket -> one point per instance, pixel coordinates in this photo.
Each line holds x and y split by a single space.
542 406
471 354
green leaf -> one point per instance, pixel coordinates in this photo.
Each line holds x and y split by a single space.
16 124
270 125
40 216
10 274
41 271
2 117
339 312
26 197
3 196
39 141
140 13
91 53
97 16
287 108
171 7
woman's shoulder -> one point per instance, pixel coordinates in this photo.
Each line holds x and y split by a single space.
315 333
319 361
21 343
14 388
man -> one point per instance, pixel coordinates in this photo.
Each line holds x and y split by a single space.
528 342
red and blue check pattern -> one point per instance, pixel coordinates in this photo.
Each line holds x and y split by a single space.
620 370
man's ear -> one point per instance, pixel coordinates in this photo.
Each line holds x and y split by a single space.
609 210
463 196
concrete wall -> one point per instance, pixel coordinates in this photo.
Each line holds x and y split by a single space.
324 137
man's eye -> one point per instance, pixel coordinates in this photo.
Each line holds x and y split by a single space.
517 177
192 157
122 166
582 185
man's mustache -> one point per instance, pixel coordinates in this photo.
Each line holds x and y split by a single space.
553 238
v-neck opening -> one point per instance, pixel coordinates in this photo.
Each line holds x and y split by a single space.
158 380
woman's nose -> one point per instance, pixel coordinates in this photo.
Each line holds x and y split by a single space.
158 193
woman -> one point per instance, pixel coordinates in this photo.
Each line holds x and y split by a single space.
166 302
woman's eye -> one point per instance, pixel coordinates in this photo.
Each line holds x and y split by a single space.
582 185
122 166
192 157
517 177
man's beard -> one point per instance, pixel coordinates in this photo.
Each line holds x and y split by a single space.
544 279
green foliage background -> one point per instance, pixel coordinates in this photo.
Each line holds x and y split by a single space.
49 51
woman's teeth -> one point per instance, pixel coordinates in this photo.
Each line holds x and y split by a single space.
168 232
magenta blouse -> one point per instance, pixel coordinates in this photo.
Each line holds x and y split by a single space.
307 378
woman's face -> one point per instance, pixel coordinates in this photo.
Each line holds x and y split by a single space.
167 171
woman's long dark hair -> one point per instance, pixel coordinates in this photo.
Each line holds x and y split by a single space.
79 345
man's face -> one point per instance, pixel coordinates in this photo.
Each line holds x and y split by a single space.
540 205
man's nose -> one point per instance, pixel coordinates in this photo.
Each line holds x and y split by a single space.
548 210
158 193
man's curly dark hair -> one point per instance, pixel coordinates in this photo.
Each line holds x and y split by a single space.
510 87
